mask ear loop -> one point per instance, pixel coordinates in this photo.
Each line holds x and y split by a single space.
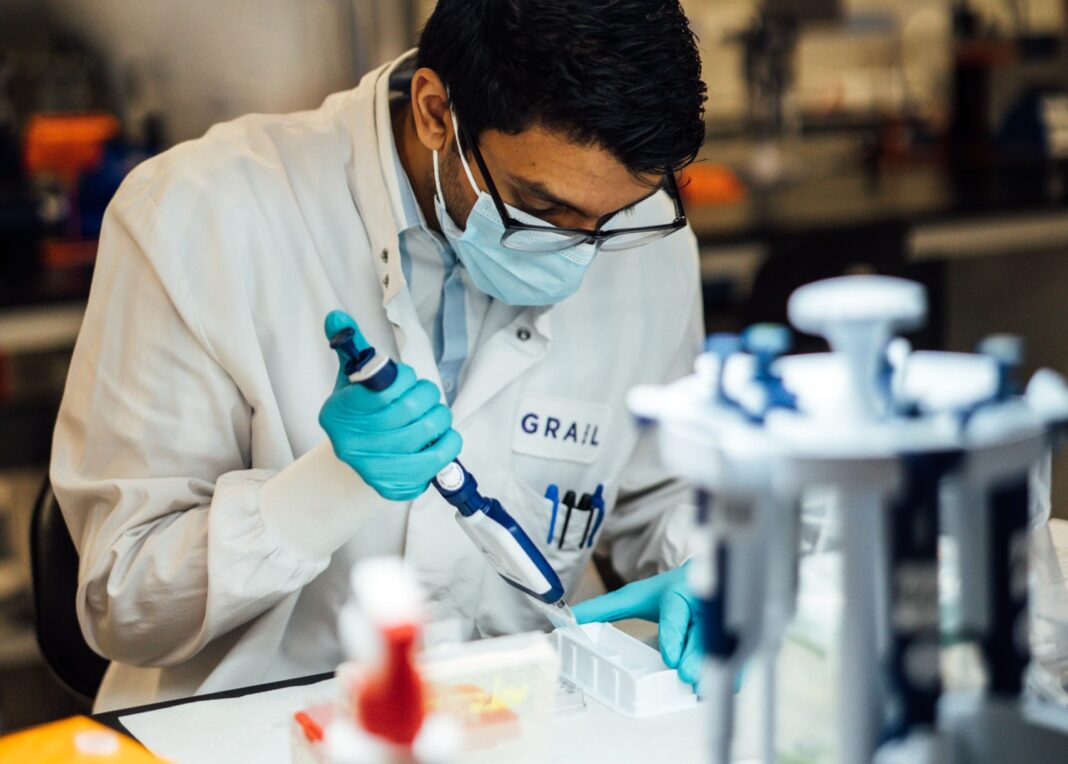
437 179
463 159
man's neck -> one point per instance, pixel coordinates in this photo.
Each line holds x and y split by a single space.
416 161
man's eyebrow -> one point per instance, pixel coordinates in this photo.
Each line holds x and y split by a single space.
539 190
635 203
623 210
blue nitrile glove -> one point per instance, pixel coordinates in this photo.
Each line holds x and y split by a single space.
397 439
666 599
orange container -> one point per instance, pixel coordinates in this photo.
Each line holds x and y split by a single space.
67 144
77 740
711 184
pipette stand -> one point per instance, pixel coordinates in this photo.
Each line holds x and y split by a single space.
909 442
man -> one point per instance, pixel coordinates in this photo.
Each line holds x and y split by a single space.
454 218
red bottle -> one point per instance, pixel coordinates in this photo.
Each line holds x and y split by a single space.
390 702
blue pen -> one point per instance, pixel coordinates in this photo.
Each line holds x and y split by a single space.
552 493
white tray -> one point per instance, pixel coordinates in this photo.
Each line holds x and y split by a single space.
623 673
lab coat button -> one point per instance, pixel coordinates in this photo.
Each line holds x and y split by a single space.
385 281
385 255
523 334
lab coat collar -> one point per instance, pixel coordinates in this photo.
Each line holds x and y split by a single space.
399 185
539 319
509 353
372 175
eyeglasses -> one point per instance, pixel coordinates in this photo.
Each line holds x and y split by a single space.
528 237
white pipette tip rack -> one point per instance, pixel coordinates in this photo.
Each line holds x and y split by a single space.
622 672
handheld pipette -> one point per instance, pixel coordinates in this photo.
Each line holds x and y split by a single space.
503 542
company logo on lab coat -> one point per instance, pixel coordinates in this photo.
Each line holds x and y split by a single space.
559 428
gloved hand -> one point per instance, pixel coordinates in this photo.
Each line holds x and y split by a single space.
397 439
665 598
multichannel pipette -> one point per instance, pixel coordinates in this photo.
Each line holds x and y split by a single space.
503 542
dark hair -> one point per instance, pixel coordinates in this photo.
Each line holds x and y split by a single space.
624 75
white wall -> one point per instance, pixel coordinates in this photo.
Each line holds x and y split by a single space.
212 60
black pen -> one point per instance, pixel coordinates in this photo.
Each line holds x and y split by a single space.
569 502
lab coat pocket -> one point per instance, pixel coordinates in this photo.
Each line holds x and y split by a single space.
565 535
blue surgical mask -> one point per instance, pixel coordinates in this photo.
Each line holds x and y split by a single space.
511 276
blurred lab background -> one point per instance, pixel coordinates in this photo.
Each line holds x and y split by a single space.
924 138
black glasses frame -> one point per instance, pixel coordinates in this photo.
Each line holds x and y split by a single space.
596 236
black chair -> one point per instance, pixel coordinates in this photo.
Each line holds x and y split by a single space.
54 565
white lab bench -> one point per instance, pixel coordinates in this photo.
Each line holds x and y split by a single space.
255 728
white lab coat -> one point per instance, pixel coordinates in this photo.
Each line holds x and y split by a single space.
216 528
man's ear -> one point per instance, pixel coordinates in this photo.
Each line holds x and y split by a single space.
430 109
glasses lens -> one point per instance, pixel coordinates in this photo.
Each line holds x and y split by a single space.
542 240
632 239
